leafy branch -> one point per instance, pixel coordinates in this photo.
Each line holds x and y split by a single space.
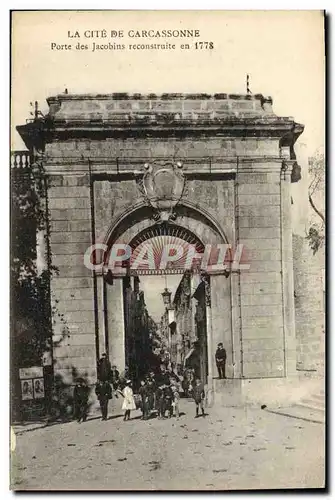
316 195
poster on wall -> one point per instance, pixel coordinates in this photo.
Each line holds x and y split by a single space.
31 372
38 388
27 390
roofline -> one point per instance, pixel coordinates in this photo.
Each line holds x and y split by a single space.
163 96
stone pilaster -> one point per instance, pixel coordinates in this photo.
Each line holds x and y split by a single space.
221 320
287 270
115 318
258 212
72 296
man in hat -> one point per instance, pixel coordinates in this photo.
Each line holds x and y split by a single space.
80 400
104 392
104 369
163 381
220 358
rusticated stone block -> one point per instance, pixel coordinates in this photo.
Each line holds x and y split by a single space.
309 305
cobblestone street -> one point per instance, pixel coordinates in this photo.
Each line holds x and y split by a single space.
230 448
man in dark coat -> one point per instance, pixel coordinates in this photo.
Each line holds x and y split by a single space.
168 398
151 385
104 392
144 393
162 381
80 399
163 377
220 358
104 368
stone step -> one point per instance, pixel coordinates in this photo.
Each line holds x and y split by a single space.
315 401
315 398
319 397
313 405
227 392
301 412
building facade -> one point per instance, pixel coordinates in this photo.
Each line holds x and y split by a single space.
139 329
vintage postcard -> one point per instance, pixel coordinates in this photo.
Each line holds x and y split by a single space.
167 250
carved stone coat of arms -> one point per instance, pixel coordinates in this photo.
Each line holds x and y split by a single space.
163 184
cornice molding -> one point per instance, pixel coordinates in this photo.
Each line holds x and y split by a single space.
134 167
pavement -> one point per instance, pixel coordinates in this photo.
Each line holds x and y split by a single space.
229 449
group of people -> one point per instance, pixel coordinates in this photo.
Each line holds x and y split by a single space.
108 379
158 393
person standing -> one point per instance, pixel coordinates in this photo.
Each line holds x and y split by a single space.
115 377
124 377
144 393
175 401
163 377
80 400
220 358
104 369
168 398
199 397
160 399
150 383
104 392
163 381
129 401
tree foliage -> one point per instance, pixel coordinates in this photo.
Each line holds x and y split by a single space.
316 197
30 300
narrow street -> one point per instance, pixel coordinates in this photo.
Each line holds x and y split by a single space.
230 448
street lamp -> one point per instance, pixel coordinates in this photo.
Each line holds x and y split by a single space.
166 297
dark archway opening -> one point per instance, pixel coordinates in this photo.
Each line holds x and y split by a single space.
174 333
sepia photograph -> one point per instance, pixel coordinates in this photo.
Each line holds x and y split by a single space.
167 254
27 389
39 388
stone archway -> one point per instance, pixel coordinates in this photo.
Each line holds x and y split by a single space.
187 215
209 301
223 174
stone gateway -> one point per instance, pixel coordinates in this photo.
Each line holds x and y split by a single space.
214 169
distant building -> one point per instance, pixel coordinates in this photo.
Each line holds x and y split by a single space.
184 325
139 328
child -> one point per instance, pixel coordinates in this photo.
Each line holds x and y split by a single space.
199 396
129 402
175 401
168 398
144 393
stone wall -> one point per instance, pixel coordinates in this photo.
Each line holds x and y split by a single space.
72 287
309 305
259 230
